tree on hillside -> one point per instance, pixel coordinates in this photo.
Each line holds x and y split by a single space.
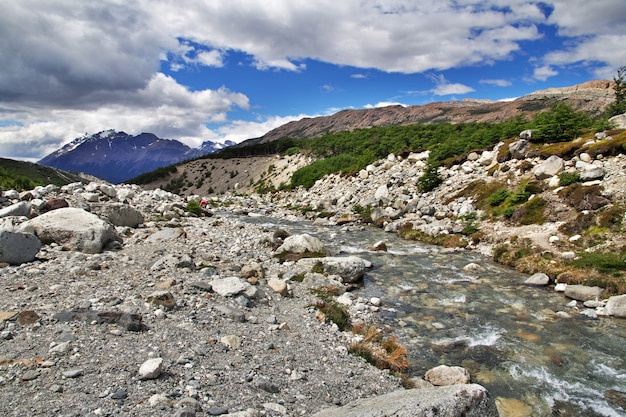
619 105
559 124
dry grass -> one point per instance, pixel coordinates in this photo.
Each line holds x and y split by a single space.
382 352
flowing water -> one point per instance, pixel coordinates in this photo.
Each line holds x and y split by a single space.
506 334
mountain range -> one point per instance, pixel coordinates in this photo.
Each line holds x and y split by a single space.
117 156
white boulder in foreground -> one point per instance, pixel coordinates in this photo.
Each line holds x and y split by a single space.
74 228
468 400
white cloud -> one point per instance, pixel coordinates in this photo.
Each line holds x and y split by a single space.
543 73
163 107
497 83
445 88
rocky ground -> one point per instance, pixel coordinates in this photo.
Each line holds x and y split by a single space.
168 314
125 304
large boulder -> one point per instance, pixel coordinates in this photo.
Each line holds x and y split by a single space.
73 228
302 244
519 148
119 214
471 400
349 268
549 168
619 121
616 306
443 375
17 248
582 292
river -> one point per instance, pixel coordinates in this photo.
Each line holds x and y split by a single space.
509 336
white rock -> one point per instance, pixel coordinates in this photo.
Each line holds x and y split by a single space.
278 285
301 244
443 375
73 228
537 280
616 306
151 369
232 341
560 287
471 267
228 287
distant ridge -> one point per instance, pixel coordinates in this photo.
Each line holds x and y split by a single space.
592 97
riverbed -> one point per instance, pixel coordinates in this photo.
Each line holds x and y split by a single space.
528 346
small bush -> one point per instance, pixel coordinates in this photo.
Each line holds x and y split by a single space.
498 197
382 352
568 178
194 207
430 179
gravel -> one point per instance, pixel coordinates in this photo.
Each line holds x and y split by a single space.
109 334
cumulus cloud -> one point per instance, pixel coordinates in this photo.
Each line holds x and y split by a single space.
596 32
543 73
163 107
444 87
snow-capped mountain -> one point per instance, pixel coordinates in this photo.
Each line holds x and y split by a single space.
117 156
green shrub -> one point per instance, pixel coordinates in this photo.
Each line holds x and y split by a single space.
498 197
430 179
568 178
194 207
559 124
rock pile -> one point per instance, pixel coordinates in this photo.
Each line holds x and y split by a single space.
119 302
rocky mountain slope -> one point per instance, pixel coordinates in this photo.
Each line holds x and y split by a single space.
117 156
592 97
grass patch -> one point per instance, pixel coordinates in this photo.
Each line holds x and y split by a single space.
331 311
378 349
607 262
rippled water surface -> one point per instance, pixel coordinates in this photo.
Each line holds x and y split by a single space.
507 335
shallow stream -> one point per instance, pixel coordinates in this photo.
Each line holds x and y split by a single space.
506 334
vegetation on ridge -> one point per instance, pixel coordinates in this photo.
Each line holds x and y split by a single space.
21 175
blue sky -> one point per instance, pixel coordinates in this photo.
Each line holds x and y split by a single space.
235 69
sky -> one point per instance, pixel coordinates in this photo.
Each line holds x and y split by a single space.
235 69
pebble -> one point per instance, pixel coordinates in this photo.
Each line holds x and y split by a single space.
30 375
151 369
73 373
119 394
